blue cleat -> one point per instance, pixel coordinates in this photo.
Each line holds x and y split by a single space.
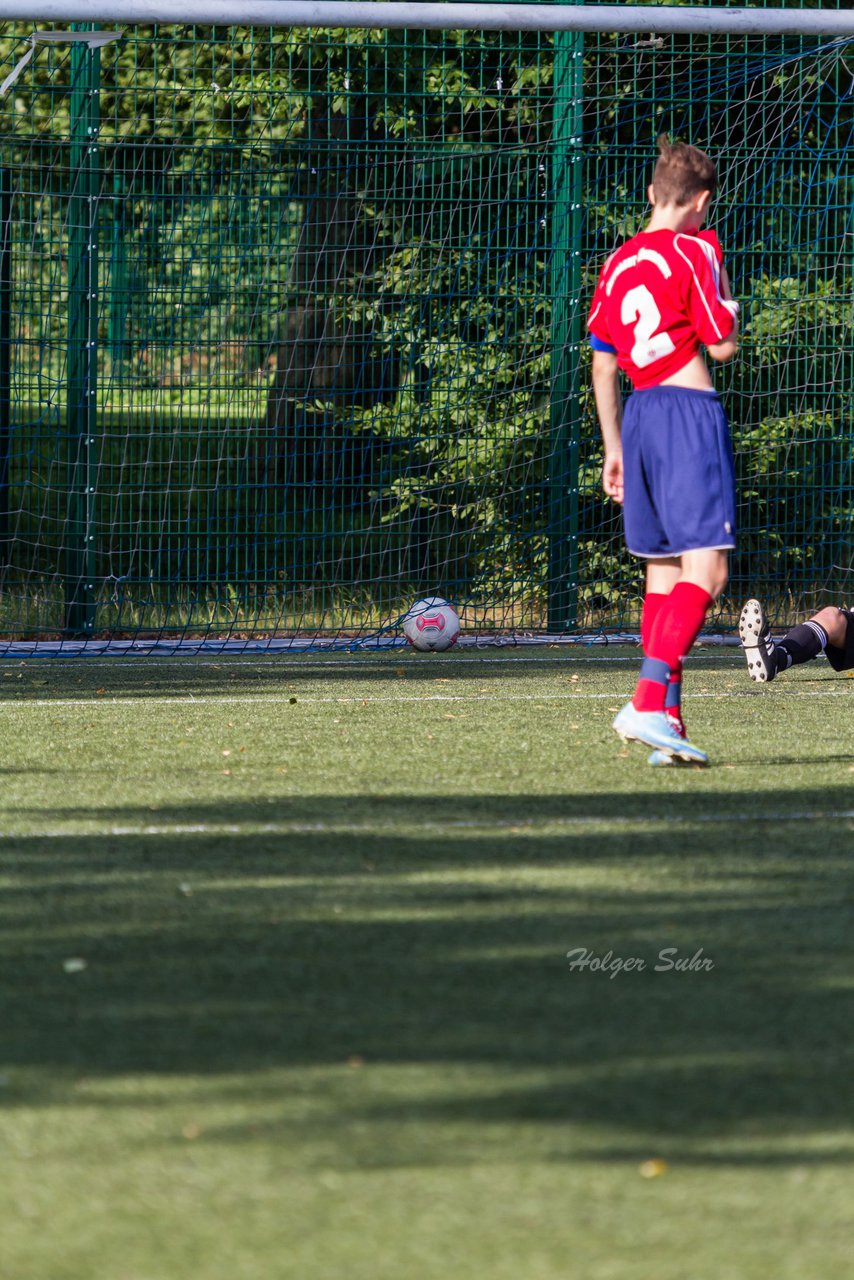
653 729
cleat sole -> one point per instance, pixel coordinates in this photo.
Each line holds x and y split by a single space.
659 759
755 636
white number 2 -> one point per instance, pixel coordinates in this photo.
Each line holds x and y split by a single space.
638 305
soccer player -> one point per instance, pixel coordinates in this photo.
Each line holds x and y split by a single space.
662 296
830 631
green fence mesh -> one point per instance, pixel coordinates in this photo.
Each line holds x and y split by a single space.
291 322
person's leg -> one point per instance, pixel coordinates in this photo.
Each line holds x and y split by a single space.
684 476
835 623
696 585
839 625
808 639
826 630
699 576
661 577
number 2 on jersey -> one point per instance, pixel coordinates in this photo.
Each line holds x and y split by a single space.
638 308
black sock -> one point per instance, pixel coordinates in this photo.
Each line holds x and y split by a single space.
803 642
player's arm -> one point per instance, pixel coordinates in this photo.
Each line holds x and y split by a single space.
711 307
723 351
609 407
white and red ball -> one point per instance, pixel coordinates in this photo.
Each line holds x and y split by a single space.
432 625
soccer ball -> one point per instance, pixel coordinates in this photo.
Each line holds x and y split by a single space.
432 624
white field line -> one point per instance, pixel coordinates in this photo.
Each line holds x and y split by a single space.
290 663
521 825
169 700
293 663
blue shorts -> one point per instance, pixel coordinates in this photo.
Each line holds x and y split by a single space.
679 480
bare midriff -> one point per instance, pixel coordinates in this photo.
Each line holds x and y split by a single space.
694 375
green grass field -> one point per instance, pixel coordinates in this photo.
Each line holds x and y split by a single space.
285 989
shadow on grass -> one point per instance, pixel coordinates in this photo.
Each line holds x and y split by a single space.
453 813
435 930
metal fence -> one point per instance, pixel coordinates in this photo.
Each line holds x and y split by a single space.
291 321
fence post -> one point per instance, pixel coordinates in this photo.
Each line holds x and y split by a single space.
5 356
565 332
82 349
119 288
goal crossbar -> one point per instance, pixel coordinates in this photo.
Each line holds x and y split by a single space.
623 19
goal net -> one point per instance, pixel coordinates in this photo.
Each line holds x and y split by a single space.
292 323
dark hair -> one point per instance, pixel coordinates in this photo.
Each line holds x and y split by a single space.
682 172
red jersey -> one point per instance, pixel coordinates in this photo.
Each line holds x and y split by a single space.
658 297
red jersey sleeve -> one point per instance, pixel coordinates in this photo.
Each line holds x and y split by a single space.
712 318
709 237
597 321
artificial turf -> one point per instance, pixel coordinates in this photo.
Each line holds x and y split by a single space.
285 988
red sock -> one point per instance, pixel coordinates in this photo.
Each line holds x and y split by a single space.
678 623
651 688
676 627
673 700
652 602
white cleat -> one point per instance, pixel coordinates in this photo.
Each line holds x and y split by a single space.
658 758
759 649
653 729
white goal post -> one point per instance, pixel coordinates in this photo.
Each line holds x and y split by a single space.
394 14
